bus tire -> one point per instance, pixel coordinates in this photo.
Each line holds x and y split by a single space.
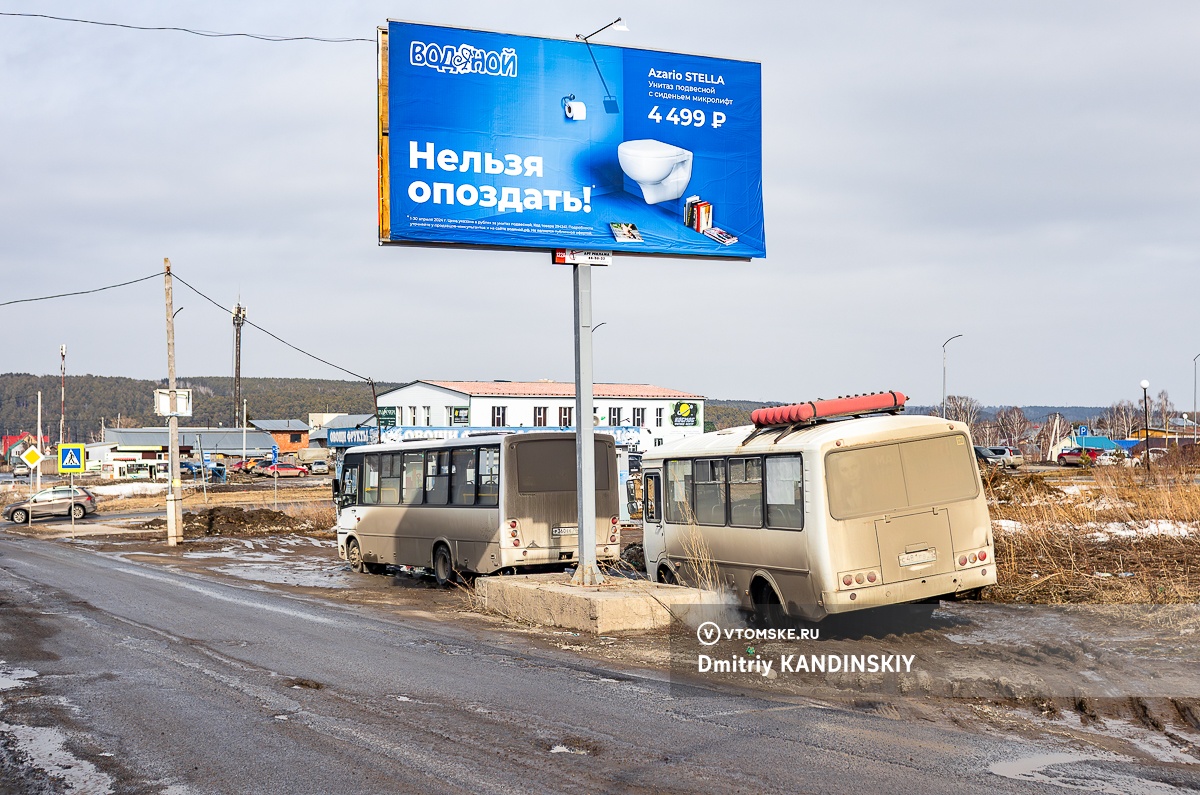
354 555
443 566
666 575
768 610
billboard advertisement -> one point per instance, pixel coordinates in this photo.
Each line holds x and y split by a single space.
496 139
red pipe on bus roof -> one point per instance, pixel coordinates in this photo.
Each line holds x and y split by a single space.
825 409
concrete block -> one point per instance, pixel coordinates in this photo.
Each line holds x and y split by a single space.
619 605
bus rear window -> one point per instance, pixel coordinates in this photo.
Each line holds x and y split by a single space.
549 465
892 477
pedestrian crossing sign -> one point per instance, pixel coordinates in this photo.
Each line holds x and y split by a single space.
72 458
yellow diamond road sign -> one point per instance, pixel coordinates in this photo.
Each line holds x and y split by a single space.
72 458
32 456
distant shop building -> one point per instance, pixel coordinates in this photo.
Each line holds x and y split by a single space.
639 415
289 435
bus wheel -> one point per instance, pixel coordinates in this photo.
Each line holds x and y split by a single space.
768 610
354 555
667 575
443 566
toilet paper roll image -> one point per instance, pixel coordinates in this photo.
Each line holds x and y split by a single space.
576 111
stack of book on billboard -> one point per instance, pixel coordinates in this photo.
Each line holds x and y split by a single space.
697 214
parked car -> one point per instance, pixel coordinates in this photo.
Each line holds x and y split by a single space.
1011 455
1078 456
283 470
319 467
1110 458
56 501
1156 454
987 458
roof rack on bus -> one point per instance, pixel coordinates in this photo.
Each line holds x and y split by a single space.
489 433
795 416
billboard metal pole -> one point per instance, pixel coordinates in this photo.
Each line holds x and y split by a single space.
587 572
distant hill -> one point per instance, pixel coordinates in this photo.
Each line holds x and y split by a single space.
92 400
732 413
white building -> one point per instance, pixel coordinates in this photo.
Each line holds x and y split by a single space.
662 414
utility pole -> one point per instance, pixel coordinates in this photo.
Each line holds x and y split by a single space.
62 417
39 444
239 319
175 486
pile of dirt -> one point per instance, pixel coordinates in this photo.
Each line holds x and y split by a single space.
1019 489
227 520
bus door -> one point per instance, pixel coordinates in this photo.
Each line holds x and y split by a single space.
654 543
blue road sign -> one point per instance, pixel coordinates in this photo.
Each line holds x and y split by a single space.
71 458
274 454
1083 431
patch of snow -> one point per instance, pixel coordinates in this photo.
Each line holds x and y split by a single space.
566 749
44 746
312 575
1157 527
1008 525
119 490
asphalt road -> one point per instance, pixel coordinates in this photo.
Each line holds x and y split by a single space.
166 681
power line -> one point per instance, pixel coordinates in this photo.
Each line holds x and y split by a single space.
273 336
206 33
79 292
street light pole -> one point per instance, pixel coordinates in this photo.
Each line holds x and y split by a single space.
1146 422
1194 358
944 344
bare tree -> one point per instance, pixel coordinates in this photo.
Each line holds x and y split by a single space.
1122 419
1014 425
1162 410
961 408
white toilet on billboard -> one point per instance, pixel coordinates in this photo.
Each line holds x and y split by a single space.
660 169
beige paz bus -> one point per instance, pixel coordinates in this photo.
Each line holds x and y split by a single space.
834 508
474 505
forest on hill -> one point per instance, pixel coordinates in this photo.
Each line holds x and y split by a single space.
94 401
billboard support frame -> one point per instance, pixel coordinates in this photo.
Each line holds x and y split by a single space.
587 571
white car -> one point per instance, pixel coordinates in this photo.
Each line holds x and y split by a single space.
1011 455
319 467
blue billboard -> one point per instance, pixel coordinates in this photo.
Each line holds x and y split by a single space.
496 139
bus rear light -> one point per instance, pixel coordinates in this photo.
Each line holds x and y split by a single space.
974 558
858 578
512 533
615 520
847 580
871 576
983 554
983 572
962 560
516 542
612 539
512 523
853 596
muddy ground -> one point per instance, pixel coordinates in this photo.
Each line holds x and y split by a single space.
1090 678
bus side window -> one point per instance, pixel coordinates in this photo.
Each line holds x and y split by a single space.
785 492
389 492
370 480
489 477
414 478
437 477
679 493
462 476
745 492
710 491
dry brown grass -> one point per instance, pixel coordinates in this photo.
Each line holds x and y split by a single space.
1091 546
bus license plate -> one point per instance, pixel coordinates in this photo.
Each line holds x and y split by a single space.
913 558
564 531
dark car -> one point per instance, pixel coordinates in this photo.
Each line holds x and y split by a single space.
56 501
987 458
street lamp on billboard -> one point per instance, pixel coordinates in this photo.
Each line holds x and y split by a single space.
1194 358
944 344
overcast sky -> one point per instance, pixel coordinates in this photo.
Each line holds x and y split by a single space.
1024 174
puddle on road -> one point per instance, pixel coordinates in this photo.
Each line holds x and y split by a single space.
1078 774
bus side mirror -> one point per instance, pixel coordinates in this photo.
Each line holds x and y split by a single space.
337 487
